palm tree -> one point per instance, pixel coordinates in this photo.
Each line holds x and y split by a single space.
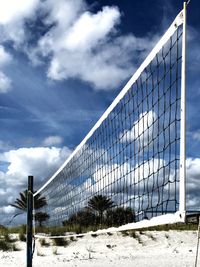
100 204
41 217
21 203
38 202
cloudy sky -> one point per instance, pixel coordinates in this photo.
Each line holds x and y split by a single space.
62 63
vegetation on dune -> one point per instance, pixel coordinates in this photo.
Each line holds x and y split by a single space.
22 237
83 217
2 228
120 216
44 243
7 241
5 246
100 213
61 242
91 217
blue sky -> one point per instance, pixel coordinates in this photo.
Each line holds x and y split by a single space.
62 63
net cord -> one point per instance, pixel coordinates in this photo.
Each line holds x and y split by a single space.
169 33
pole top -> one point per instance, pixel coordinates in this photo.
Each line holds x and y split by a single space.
30 183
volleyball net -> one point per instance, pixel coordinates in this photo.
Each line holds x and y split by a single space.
129 171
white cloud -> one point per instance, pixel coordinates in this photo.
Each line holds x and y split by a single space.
77 50
86 46
63 12
89 29
53 140
12 19
144 129
40 162
117 178
12 10
8 209
5 83
80 44
193 169
37 161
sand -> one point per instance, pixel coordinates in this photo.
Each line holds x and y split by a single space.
149 248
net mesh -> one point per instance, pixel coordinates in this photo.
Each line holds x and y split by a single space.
128 170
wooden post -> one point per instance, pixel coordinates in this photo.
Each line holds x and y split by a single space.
29 227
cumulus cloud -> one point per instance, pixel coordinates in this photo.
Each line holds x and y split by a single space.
53 140
12 28
146 182
124 181
11 11
143 130
116 177
89 29
86 46
76 43
77 49
39 161
12 19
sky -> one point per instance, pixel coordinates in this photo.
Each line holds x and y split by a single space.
62 63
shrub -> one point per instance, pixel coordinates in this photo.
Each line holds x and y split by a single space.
3 229
22 237
133 234
110 234
7 238
5 246
125 233
120 216
61 242
72 238
15 248
94 235
43 242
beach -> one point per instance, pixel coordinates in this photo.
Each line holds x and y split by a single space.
141 248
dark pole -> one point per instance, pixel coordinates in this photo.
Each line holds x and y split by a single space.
29 231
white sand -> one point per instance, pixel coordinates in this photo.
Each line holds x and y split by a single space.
163 249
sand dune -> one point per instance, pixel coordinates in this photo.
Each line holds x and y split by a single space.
149 248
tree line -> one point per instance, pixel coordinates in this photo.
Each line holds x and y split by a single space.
100 210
